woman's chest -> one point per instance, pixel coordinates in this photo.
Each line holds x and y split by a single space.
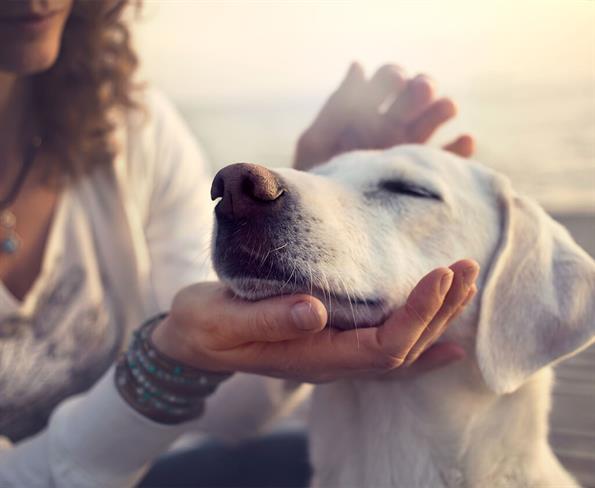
67 330
68 340
56 349
24 231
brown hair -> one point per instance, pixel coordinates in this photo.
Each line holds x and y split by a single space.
92 76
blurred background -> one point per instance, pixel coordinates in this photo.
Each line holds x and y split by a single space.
248 76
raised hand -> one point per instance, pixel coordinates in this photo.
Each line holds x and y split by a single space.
383 111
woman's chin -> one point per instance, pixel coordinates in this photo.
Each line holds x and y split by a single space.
29 59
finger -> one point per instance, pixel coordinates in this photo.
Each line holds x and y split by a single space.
436 356
465 274
388 81
422 128
328 354
470 295
355 74
318 142
385 347
463 146
416 96
404 327
336 112
271 320
342 101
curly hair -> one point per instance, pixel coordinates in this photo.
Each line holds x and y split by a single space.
75 98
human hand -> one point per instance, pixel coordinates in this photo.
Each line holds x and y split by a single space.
283 337
352 117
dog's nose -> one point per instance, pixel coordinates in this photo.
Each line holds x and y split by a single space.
246 190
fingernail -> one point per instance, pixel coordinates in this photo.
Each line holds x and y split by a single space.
306 316
445 282
470 275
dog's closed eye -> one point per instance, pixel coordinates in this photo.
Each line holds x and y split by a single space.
407 188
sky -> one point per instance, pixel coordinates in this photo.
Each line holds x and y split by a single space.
252 49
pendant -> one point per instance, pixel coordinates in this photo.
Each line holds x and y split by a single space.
11 243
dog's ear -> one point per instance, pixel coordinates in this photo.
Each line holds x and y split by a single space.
538 302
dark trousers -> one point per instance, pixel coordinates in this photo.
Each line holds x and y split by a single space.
274 461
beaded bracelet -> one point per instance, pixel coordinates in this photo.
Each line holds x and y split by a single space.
158 386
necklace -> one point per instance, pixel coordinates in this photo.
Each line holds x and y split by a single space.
11 241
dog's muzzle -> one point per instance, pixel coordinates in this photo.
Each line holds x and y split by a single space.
262 245
255 215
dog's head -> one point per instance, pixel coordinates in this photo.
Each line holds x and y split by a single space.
360 231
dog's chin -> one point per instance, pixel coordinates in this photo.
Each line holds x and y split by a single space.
343 312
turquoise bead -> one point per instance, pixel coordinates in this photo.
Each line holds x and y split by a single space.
9 245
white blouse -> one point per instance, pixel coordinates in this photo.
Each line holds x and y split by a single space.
121 244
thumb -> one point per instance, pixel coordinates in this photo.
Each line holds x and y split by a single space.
276 319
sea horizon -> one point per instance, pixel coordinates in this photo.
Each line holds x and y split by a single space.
542 136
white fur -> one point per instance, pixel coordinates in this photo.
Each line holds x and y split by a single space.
477 423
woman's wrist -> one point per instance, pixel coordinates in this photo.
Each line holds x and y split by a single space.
165 338
159 386
171 341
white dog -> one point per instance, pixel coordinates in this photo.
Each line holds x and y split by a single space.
358 233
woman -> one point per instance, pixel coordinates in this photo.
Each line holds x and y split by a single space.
104 213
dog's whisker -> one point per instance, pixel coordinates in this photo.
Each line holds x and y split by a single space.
342 282
271 251
201 252
295 282
321 283
201 257
270 270
289 279
311 281
265 257
280 247
327 288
